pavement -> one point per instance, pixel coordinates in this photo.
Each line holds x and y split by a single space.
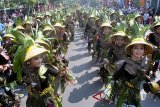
82 67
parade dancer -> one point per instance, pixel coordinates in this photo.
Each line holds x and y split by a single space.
130 73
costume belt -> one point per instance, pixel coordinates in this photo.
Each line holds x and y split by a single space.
130 85
45 91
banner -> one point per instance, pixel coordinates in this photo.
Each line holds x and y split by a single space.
142 3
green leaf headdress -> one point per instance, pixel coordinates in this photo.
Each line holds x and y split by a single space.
137 31
28 20
156 22
18 23
24 42
122 26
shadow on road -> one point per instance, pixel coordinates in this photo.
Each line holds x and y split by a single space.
87 76
79 56
80 49
149 102
84 92
85 66
84 43
103 104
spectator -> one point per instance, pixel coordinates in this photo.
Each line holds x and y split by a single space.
150 20
146 16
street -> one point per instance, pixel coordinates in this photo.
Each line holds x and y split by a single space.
81 66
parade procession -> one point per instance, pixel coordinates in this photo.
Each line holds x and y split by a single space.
80 53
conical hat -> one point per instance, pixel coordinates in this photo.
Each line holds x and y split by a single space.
148 48
33 51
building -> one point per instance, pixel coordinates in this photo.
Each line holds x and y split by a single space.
155 4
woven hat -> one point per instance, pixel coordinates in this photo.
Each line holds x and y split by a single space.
8 36
106 24
59 25
119 33
113 12
33 51
19 27
138 15
97 19
148 48
39 17
28 22
91 16
156 25
47 28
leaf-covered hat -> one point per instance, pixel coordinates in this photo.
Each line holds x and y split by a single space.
33 51
148 48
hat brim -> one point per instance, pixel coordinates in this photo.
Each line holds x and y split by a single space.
156 25
119 34
59 25
39 17
91 17
148 47
140 17
113 13
47 29
8 36
106 25
20 28
28 23
35 52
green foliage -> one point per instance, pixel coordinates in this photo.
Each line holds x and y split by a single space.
18 21
122 26
24 42
136 30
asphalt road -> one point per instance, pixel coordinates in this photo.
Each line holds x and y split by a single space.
82 67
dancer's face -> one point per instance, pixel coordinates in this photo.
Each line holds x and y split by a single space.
158 29
36 61
139 21
106 30
119 41
137 50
